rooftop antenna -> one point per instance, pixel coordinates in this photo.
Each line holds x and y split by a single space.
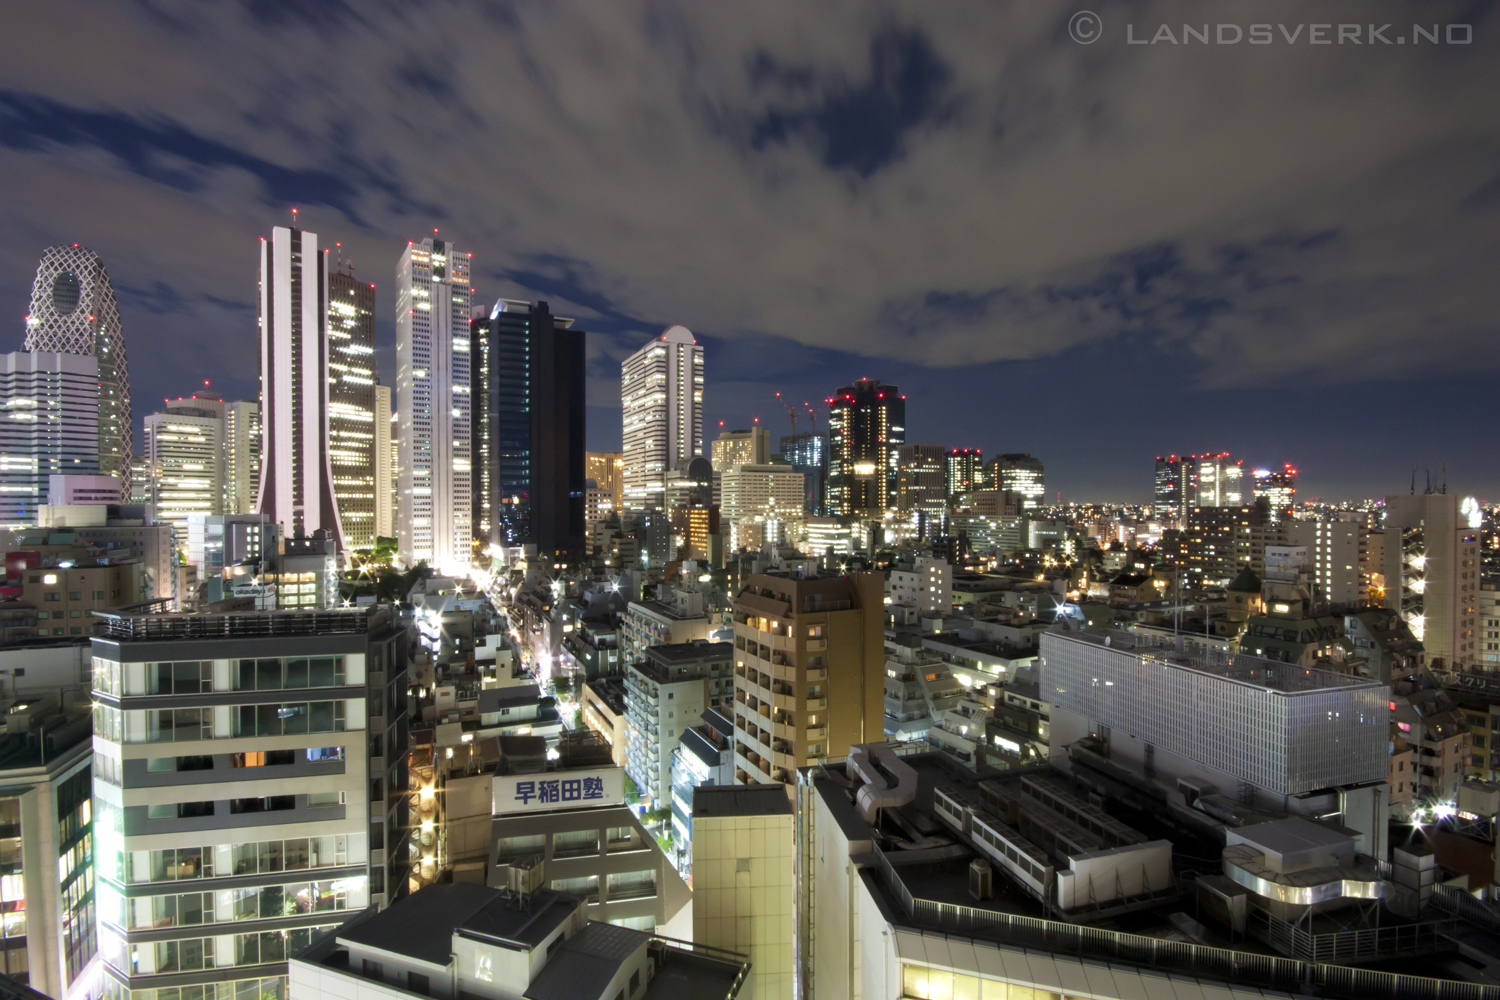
294 218
1445 479
1414 479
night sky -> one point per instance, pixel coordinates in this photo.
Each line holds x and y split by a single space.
1094 253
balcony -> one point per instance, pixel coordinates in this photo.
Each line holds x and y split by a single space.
816 704
820 733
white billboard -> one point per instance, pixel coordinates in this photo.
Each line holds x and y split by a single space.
551 790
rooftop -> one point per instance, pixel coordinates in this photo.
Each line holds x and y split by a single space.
235 625
716 801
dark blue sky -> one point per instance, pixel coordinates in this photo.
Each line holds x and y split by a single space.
1095 253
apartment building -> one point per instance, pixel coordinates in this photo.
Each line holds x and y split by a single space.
809 670
926 585
664 696
250 782
675 616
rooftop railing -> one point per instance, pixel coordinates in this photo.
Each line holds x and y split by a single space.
235 625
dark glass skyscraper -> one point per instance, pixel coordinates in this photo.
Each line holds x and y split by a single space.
529 430
866 429
807 453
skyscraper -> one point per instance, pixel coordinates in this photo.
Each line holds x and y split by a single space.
351 404
1175 484
385 492
296 477
1432 575
435 481
732 449
661 390
607 470
184 451
73 312
963 472
807 453
1220 481
529 430
51 401
1279 488
921 479
242 436
1020 473
866 429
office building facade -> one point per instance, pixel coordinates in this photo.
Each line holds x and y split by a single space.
1174 485
249 787
73 311
1278 486
296 474
242 437
50 402
866 429
661 391
1338 557
351 404
385 468
1020 473
607 470
807 453
184 451
922 480
434 517
963 472
529 431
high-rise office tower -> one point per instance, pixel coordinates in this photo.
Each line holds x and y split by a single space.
866 429
296 477
807 453
242 436
1432 575
921 479
529 431
435 480
51 403
661 390
251 789
184 452
1175 484
1220 481
351 404
1020 473
385 491
607 470
963 472
73 312
732 449
1279 488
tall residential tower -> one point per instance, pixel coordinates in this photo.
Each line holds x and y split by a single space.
435 514
661 389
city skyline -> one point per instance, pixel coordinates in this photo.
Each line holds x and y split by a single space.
1301 300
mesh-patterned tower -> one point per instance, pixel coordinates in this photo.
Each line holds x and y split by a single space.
73 312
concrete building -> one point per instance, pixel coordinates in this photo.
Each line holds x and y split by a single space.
661 390
1432 576
733 449
51 427
743 884
63 598
926 585
665 693
47 927
1338 553
921 479
809 670
1287 738
122 535
1019 473
250 781
1440 735
433 344
73 312
676 616
759 493
296 472
241 459
460 940
963 473
603 706
82 491
572 812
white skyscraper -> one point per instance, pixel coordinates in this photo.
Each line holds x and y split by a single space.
184 452
49 425
661 389
434 513
73 312
296 479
